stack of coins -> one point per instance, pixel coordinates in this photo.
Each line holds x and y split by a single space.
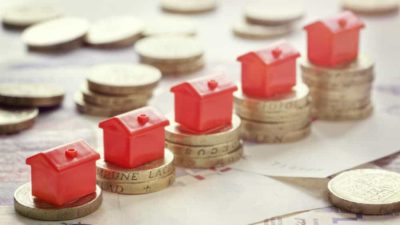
113 89
342 93
150 177
279 119
19 104
173 55
214 149
268 19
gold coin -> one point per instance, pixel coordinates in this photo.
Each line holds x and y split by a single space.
29 206
303 113
262 137
15 120
273 128
118 31
252 31
95 110
175 134
340 104
123 79
273 12
298 98
343 114
170 25
22 16
349 94
366 191
338 84
177 68
371 6
129 188
147 172
53 33
188 6
218 161
169 48
114 101
30 95
203 151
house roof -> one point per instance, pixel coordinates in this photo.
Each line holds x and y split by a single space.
206 86
342 22
274 54
66 156
137 121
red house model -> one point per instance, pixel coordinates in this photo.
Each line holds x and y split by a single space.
204 104
64 174
334 41
134 138
270 71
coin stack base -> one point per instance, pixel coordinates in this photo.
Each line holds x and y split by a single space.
150 177
215 149
342 93
29 206
279 119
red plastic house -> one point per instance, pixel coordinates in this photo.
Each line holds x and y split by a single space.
134 138
334 41
270 71
65 173
205 104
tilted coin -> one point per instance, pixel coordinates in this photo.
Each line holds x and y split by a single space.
216 161
343 114
175 134
188 6
253 31
147 172
52 34
366 191
170 26
114 101
275 127
169 48
203 151
95 110
273 12
298 98
123 79
129 188
15 120
22 16
263 137
30 94
371 6
119 31
29 206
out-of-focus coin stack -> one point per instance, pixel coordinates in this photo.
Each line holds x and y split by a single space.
112 89
19 104
150 177
268 19
173 55
218 148
279 119
342 93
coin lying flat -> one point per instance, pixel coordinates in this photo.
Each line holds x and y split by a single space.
366 191
273 12
129 188
55 34
175 134
338 115
252 31
188 6
170 26
22 16
275 127
285 137
123 79
169 48
147 172
371 6
175 68
29 206
203 151
30 95
15 120
111 32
